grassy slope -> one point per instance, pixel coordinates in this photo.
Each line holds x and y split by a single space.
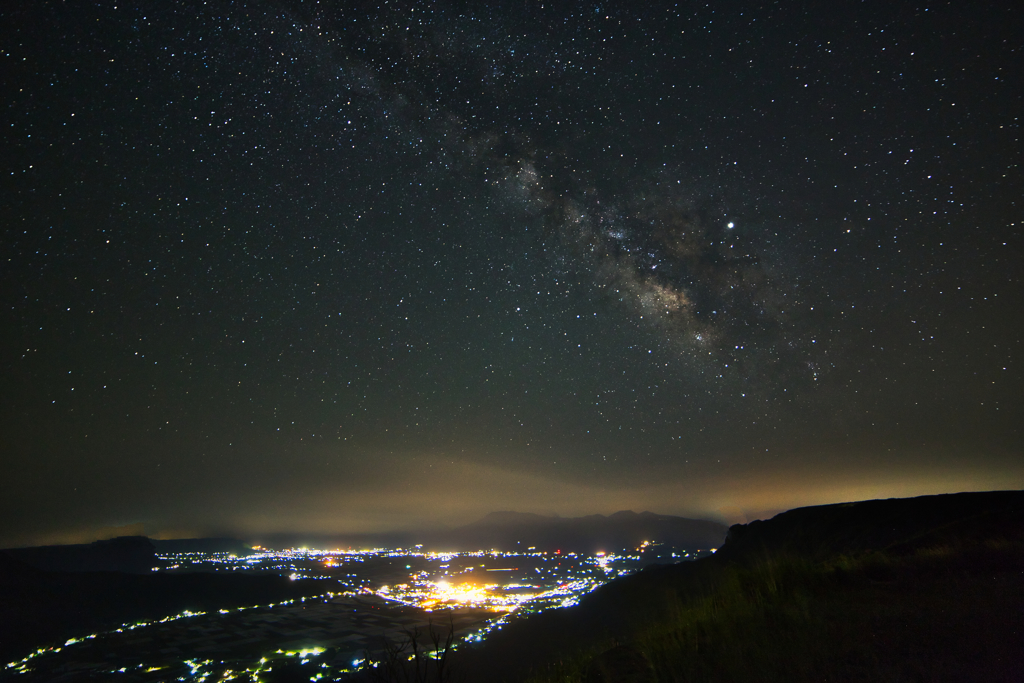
936 615
924 590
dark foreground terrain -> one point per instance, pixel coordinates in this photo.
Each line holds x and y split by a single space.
923 589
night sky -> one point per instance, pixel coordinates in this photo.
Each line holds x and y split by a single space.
323 267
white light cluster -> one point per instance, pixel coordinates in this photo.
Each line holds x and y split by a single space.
543 581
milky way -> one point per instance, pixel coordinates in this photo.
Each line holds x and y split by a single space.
282 265
665 250
685 269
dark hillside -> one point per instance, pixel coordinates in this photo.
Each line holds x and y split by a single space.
929 588
132 554
894 525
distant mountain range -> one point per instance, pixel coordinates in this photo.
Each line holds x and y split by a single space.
504 530
621 530
510 531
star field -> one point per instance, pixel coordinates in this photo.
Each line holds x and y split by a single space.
341 266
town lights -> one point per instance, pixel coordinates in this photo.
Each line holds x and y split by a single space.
461 594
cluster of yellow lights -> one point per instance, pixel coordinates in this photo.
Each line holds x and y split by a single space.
462 594
442 594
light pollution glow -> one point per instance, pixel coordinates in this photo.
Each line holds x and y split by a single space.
437 492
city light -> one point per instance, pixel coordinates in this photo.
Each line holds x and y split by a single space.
478 592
